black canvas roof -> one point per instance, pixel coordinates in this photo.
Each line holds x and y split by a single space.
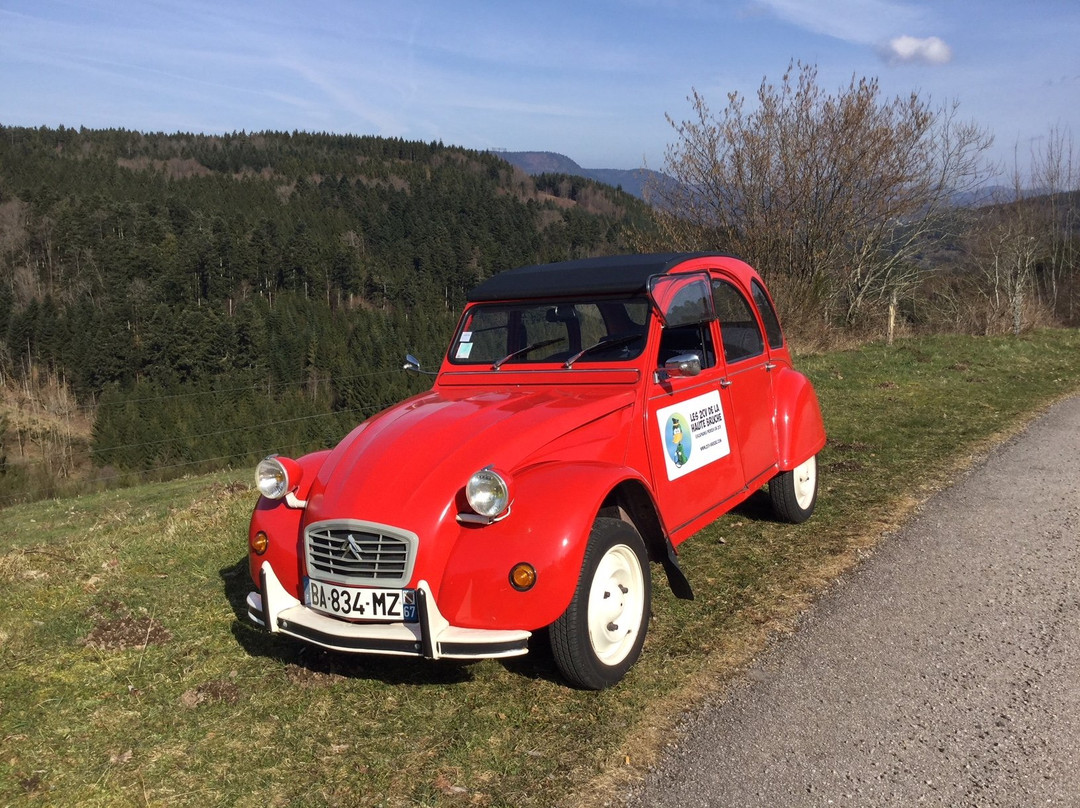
610 275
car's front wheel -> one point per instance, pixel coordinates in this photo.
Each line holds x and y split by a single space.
794 493
600 634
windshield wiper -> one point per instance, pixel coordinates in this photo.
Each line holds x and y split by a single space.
522 351
606 342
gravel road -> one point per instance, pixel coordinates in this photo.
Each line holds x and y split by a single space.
944 671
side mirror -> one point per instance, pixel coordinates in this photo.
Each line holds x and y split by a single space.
683 365
413 364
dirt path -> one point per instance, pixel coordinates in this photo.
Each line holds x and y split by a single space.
945 671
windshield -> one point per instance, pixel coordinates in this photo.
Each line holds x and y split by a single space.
539 331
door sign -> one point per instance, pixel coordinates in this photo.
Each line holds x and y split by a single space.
693 434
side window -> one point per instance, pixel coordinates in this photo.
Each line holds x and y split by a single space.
768 316
687 339
684 302
739 328
682 299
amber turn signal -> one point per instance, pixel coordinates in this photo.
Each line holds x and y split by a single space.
522 577
259 542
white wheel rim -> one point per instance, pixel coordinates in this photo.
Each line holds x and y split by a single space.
616 605
805 479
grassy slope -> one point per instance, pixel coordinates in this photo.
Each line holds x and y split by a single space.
130 678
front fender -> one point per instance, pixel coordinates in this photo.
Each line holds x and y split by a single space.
281 523
548 526
799 425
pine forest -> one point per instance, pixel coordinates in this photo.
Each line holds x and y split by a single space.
176 303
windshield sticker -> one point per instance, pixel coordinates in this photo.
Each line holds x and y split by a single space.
693 433
463 350
466 336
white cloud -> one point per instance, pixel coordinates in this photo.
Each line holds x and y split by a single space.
929 50
859 21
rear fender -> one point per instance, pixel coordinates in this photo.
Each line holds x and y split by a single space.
548 527
799 426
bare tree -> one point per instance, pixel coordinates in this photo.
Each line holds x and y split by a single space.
1055 179
835 192
1023 248
1005 253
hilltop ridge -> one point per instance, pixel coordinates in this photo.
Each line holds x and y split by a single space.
633 181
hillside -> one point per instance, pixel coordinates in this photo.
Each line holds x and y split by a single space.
632 181
279 276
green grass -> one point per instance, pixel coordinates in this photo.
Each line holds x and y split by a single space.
211 711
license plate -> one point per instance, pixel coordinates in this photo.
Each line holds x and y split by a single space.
361 603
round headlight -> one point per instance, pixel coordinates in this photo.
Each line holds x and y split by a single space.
272 478
488 493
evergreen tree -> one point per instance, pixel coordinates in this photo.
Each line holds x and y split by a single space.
158 272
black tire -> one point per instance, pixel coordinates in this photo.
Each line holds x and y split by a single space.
794 493
600 635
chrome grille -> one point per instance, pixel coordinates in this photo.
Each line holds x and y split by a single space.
351 552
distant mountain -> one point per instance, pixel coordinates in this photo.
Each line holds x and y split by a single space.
633 181
987 195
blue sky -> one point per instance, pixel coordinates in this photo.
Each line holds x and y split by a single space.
592 80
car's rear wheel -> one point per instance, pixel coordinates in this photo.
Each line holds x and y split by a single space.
794 493
599 636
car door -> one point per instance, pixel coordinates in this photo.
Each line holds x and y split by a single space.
693 456
747 378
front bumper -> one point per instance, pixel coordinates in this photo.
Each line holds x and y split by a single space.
432 637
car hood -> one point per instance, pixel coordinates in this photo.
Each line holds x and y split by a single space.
408 465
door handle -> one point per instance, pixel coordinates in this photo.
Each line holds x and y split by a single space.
769 366
725 383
